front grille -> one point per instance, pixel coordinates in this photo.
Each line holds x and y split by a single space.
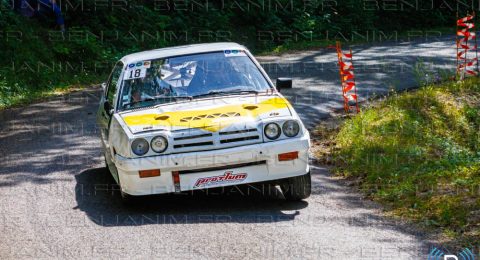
191 137
192 140
238 131
225 141
192 144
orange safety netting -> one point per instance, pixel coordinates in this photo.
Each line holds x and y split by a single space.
347 77
466 43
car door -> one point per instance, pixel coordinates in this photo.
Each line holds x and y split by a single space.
107 106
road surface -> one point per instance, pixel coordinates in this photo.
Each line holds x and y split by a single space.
379 68
58 201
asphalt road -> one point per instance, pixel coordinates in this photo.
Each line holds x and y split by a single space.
379 69
57 200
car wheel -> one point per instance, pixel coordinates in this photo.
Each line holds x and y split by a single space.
297 188
127 199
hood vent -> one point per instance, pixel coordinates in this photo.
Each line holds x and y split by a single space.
216 115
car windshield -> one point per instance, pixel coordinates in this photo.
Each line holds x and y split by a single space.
153 82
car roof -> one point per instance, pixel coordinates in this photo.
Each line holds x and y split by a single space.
181 50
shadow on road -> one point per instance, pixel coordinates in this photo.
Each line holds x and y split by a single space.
98 196
45 142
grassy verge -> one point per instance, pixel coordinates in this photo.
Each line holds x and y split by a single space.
30 96
18 94
418 154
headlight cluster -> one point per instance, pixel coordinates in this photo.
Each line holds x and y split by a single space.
290 128
140 146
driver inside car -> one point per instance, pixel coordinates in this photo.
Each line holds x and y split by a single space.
151 84
211 76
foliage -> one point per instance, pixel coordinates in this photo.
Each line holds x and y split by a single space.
37 58
419 154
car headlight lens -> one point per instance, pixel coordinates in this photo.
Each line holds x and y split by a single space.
272 131
140 146
291 128
159 144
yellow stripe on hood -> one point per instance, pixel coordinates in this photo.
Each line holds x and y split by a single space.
209 119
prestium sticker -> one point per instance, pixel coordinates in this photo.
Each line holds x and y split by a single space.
227 177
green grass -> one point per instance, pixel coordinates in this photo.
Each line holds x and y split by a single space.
29 96
418 153
21 93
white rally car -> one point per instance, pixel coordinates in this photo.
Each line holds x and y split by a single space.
200 116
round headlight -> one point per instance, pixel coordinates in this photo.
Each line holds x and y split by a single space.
291 128
140 146
159 144
272 131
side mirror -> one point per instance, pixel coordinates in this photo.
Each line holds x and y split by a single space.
104 86
108 108
284 83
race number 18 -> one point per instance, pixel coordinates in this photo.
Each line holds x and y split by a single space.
135 74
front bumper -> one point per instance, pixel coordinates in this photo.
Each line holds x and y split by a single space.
217 168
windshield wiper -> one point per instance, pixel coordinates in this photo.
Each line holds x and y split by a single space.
226 93
158 98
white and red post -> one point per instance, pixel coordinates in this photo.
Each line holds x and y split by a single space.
347 78
467 53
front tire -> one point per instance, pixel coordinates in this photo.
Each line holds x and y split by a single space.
127 199
297 188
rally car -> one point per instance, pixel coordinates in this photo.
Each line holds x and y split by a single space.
200 116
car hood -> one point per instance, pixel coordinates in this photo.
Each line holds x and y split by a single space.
211 114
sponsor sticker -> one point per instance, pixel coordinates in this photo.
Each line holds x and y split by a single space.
234 53
139 65
227 178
